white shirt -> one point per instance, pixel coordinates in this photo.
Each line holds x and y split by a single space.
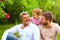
30 32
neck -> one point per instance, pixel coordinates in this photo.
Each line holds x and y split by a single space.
23 26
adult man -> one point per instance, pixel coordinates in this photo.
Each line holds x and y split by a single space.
27 30
48 28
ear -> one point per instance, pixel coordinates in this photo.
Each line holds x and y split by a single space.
48 21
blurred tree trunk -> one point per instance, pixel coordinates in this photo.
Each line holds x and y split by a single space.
1 0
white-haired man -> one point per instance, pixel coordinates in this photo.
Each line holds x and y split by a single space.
27 30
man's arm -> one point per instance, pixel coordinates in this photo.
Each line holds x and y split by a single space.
57 28
11 30
36 34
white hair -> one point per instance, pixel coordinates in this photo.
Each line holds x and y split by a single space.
23 13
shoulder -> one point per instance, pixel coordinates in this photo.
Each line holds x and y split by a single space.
16 26
41 26
55 24
33 25
35 28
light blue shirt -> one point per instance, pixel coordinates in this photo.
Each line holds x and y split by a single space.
30 32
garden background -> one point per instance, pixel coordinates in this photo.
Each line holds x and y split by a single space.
14 7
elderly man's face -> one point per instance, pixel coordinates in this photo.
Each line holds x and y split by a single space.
26 19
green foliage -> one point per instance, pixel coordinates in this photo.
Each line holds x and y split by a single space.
2 15
57 11
30 5
15 7
53 6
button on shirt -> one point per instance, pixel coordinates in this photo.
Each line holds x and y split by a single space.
30 32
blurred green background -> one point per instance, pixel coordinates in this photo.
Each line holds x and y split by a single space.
15 7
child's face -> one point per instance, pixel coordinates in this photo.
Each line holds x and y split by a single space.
34 15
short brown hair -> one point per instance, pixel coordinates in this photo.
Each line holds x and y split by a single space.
38 11
47 15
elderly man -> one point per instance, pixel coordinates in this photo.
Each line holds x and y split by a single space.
48 29
26 30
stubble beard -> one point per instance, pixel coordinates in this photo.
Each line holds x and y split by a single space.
45 23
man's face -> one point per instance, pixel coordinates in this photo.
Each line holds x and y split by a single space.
25 19
44 21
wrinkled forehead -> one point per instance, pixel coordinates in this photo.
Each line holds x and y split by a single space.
25 16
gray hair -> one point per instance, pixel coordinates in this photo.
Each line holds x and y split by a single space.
23 13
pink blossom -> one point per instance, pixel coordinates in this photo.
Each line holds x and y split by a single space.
7 16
